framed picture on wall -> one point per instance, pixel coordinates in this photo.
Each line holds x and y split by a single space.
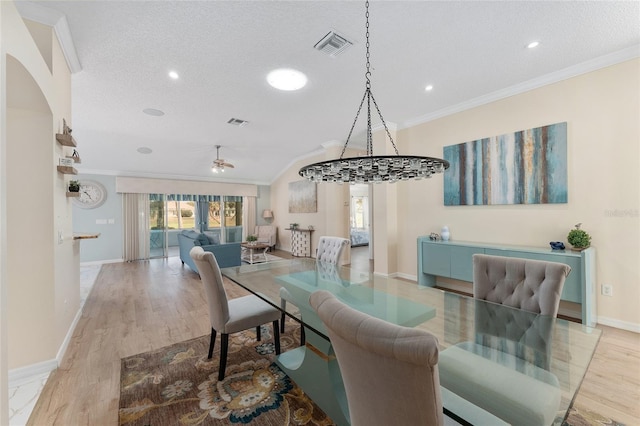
524 167
303 197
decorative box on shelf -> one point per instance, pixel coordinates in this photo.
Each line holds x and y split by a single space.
66 161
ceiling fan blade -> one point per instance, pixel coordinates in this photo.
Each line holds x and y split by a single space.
228 165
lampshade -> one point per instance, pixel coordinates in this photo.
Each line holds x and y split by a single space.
267 214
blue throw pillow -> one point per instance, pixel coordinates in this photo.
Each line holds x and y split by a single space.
214 239
202 240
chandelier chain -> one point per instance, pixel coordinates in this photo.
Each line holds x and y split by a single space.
344 148
372 168
384 123
368 73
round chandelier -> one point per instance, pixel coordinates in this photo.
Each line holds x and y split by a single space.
372 168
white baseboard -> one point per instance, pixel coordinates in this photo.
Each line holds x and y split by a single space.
67 338
101 262
20 375
623 325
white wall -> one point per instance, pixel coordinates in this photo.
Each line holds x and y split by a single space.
39 277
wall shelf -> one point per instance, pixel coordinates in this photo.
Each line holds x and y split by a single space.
66 140
73 194
67 170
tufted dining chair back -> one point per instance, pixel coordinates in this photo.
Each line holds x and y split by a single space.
376 355
526 284
331 249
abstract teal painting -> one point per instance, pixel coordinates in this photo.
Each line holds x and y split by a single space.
525 167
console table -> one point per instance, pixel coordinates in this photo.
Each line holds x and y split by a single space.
453 259
300 242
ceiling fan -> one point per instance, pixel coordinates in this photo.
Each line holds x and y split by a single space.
219 164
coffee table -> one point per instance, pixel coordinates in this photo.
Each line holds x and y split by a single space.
251 252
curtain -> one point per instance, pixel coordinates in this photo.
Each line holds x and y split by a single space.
248 217
202 215
136 226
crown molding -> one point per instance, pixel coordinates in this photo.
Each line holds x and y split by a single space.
564 74
53 18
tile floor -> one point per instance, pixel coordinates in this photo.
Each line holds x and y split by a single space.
23 394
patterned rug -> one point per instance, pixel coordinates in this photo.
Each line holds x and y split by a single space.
579 416
178 385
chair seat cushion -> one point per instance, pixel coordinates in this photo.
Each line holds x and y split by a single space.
248 312
517 398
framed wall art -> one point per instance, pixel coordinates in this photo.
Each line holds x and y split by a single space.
525 167
302 197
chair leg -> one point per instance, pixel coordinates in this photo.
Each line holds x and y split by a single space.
224 341
212 342
302 336
258 333
283 307
276 336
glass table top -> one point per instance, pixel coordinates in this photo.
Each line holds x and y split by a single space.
525 352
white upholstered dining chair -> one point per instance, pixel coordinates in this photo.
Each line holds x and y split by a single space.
231 316
380 361
330 251
505 369
530 285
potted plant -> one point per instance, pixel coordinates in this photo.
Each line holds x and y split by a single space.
579 238
294 226
74 186
252 239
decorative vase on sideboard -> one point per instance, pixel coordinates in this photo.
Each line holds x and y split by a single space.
444 233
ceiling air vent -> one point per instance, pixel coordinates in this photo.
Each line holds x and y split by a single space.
333 44
237 122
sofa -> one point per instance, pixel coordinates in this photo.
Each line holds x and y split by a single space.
227 255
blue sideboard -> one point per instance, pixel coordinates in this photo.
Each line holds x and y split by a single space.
453 259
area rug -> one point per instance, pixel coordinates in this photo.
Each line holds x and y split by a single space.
178 385
579 416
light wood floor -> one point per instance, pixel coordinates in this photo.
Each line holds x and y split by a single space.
140 306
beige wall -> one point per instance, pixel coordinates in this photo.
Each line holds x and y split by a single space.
602 109
40 276
332 217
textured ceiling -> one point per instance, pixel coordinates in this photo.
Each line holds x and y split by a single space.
471 52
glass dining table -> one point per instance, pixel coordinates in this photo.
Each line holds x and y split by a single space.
497 365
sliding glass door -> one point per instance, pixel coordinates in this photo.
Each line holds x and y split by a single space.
225 218
172 213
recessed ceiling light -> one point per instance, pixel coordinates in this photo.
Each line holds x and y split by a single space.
533 44
429 88
154 112
287 79
144 150
174 75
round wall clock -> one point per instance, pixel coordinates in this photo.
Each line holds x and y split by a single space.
92 194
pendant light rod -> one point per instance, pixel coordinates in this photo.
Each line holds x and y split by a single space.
372 168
